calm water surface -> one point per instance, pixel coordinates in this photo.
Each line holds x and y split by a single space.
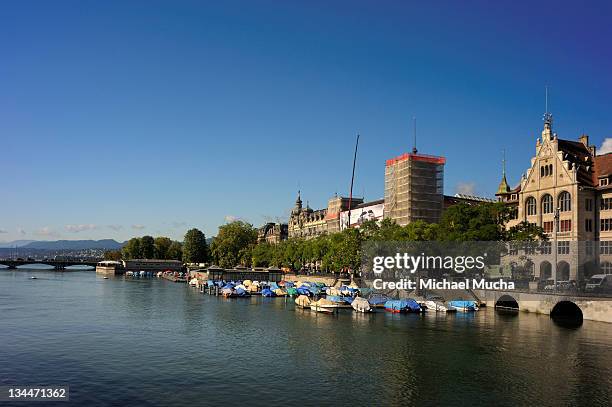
153 342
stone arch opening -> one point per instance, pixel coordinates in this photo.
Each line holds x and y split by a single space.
563 271
567 312
507 302
545 270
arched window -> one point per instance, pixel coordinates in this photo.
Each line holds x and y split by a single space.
530 206
547 204
606 267
550 169
541 171
565 201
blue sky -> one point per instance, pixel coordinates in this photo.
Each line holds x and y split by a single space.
127 118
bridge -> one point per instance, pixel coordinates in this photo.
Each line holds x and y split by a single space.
56 264
555 304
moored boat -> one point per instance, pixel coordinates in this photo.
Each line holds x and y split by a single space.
435 306
360 304
463 306
403 306
302 301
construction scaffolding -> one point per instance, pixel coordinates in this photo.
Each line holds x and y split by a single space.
414 188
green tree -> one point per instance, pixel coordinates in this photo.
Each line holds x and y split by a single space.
233 244
195 248
175 251
147 247
162 244
132 249
112 255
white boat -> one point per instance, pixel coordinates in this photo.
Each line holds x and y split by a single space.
33 277
318 308
435 306
360 304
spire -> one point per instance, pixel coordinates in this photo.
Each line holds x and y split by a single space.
503 187
548 118
298 201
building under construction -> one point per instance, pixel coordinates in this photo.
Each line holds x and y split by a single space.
414 188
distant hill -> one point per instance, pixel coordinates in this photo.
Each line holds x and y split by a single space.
109 244
15 243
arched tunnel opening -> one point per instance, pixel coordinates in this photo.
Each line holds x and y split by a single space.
567 313
507 302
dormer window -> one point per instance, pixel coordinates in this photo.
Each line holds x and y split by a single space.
603 182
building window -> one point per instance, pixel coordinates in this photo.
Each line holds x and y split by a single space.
565 201
605 247
606 204
563 247
545 248
606 267
588 204
588 225
547 226
603 182
565 225
530 206
605 225
547 204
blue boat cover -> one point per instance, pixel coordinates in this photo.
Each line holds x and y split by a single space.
240 292
336 298
378 299
210 283
303 291
403 305
348 300
288 284
229 285
266 292
273 286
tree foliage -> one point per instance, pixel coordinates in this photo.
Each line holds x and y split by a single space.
195 248
234 244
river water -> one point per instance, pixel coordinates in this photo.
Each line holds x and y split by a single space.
152 342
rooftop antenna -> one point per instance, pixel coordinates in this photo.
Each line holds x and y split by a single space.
414 146
350 202
547 114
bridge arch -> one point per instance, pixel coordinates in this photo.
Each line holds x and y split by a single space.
563 271
507 302
545 270
567 312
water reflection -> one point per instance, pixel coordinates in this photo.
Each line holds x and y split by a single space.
133 334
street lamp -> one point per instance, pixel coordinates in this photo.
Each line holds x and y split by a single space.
555 230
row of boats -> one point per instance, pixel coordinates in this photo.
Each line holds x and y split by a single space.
321 298
362 304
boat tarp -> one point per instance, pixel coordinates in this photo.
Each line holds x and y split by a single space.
240 292
266 292
361 304
292 291
280 292
377 299
247 283
273 286
462 304
348 300
227 291
333 291
303 301
336 298
324 302
303 290
402 305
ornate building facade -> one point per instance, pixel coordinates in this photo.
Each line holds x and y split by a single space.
567 191
273 233
308 223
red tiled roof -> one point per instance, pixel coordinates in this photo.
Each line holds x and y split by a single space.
603 165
